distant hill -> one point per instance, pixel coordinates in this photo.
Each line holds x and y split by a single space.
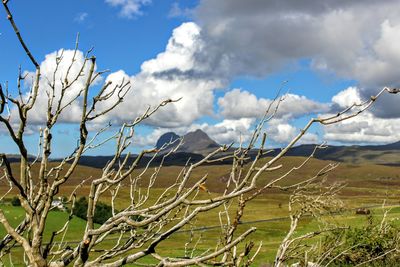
175 159
197 142
166 138
393 146
16 158
388 154
195 146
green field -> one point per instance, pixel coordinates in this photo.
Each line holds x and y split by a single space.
367 185
270 233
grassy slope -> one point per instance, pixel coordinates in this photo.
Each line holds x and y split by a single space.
367 156
375 176
366 184
269 233
55 221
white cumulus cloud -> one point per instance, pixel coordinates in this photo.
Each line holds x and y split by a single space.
54 75
172 74
356 40
243 104
364 128
347 97
129 8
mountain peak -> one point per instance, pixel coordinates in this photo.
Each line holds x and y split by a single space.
198 142
194 142
166 138
198 133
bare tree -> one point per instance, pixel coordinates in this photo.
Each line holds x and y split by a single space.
137 230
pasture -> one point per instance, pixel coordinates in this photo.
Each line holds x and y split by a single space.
366 185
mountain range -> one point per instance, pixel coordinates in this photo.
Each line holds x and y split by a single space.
195 145
198 142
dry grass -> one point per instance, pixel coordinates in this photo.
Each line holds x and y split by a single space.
366 185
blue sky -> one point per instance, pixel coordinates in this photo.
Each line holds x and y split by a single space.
120 43
225 58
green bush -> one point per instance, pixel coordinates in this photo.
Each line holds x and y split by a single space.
15 202
376 243
80 208
102 211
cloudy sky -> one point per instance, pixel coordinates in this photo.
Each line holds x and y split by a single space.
225 59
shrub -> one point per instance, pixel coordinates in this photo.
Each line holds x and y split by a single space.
15 202
377 242
80 208
102 213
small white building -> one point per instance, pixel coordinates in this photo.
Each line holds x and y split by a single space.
58 204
